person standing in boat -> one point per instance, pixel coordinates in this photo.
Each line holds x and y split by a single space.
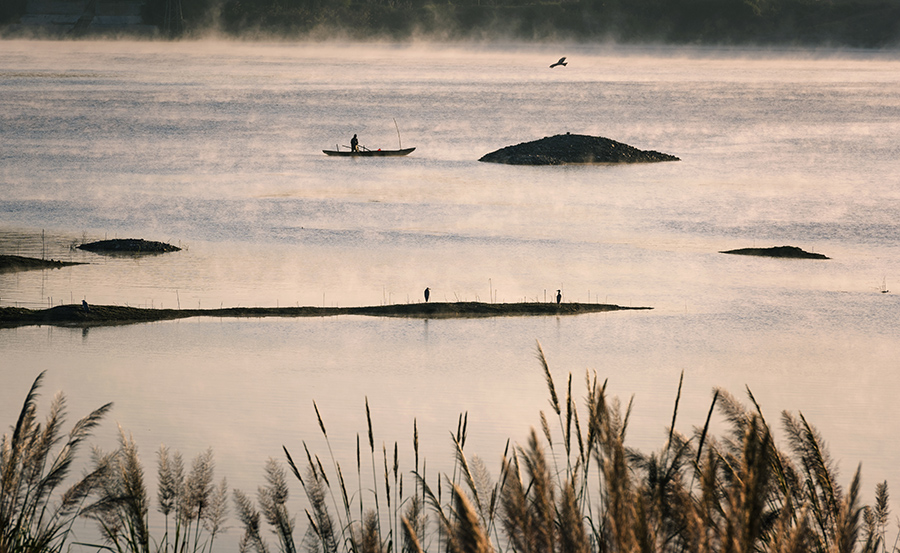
354 144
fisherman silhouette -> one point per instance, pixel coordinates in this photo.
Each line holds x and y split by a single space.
558 296
84 305
427 294
354 144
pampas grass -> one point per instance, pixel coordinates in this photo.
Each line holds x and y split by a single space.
120 504
35 460
735 492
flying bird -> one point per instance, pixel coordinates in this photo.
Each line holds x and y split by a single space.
427 294
562 61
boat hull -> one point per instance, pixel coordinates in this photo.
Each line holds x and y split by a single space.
369 153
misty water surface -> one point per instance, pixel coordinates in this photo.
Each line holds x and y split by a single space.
216 147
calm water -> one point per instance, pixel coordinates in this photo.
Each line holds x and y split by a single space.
216 147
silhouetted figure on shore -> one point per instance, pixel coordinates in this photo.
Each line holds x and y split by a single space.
427 294
85 306
558 296
354 144
562 61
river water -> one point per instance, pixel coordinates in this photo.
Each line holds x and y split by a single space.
216 147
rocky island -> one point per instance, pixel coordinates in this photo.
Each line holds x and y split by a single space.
128 245
792 252
568 148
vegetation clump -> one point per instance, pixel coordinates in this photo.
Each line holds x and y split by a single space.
568 148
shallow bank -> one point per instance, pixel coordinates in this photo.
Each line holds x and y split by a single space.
96 315
13 263
563 149
792 252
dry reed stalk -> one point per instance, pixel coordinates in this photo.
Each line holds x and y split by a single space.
847 521
818 473
343 489
466 535
321 523
572 536
790 535
387 494
749 492
570 414
515 517
542 502
554 400
467 473
674 417
410 538
374 472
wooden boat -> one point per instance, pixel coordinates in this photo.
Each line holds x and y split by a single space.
363 152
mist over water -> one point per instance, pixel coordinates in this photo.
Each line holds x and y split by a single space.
216 147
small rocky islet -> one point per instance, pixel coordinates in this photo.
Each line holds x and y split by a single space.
564 149
128 245
790 252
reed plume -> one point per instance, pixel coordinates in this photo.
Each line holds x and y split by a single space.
465 534
121 507
367 535
572 535
251 540
31 474
272 499
410 538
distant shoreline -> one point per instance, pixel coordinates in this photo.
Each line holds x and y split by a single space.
99 315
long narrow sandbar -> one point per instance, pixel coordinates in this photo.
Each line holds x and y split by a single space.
95 315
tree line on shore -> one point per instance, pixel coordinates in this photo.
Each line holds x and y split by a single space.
847 23
852 23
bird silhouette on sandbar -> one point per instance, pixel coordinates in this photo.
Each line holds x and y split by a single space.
427 294
558 296
562 61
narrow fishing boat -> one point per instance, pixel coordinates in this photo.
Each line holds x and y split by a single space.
364 152
357 150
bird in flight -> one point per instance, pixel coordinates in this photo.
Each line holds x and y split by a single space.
562 61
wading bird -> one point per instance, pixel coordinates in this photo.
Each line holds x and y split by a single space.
427 294
562 61
558 296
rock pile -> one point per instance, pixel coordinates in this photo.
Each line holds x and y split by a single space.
573 148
